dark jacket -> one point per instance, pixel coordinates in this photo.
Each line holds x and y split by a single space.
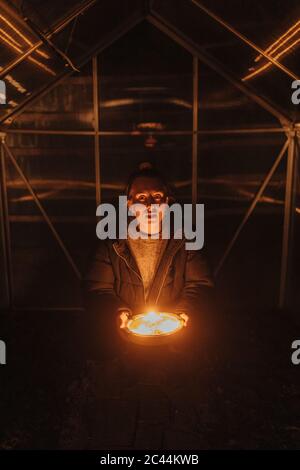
180 283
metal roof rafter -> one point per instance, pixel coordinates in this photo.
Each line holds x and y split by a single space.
180 38
176 35
59 27
243 38
113 36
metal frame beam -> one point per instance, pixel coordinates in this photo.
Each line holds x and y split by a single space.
176 35
289 215
96 127
19 170
5 239
243 38
252 206
195 133
113 36
261 130
59 27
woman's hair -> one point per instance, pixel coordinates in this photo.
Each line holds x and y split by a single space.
147 170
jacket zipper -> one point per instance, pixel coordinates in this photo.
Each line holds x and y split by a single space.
130 267
165 274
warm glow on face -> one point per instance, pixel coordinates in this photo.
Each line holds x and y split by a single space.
155 324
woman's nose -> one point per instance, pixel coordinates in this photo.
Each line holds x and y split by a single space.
150 200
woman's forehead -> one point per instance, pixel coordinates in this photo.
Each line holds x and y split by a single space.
147 183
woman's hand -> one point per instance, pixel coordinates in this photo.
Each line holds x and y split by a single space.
124 314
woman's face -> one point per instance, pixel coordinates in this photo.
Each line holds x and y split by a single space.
151 193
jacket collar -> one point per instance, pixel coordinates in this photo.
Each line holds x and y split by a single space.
122 248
